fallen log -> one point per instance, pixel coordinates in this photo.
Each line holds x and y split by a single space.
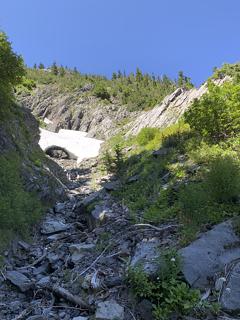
66 295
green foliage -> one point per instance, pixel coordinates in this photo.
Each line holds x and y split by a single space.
232 70
54 69
113 162
211 198
146 135
26 85
172 136
137 91
194 202
168 292
100 91
140 283
183 81
11 70
18 208
216 115
223 179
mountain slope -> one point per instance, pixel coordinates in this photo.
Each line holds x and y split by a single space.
171 109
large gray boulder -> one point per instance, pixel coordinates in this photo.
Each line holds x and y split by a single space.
109 310
50 226
209 254
230 299
19 280
146 256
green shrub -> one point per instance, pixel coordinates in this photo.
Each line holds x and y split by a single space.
168 292
205 153
193 202
216 115
18 208
113 162
146 135
223 179
101 92
26 85
11 70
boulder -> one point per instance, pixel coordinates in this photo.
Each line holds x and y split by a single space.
80 318
97 217
145 309
209 254
53 226
161 152
109 310
78 250
133 179
19 280
59 207
147 256
230 298
112 186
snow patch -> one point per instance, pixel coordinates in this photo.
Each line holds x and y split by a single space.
75 142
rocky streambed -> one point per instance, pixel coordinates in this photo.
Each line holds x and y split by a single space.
74 268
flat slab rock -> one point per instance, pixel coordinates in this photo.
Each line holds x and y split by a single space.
112 185
230 298
147 256
109 310
53 226
78 250
19 280
203 258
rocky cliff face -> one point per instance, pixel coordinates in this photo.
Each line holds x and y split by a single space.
19 136
75 111
171 109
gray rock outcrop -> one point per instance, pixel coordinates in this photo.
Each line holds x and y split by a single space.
209 254
230 298
109 310
75 111
171 109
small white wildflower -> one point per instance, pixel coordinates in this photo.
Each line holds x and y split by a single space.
173 259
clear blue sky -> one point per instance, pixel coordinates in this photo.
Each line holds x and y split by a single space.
102 36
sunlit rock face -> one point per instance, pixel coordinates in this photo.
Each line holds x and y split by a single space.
171 109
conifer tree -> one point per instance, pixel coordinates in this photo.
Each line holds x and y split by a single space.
54 69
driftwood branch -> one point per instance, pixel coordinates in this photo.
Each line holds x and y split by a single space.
166 228
23 314
66 295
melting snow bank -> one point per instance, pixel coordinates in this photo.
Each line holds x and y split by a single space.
77 145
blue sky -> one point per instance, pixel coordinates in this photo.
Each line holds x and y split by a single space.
102 36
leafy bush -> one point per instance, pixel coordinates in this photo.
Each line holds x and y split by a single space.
194 201
168 292
232 70
205 153
146 135
216 115
18 208
101 92
113 162
11 70
223 179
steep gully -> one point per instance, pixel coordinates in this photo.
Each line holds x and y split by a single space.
74 268
76 262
